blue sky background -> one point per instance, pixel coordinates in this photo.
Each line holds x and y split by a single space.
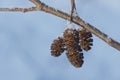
25 40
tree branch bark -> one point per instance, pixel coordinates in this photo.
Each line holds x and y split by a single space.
18 9
43 7
77 20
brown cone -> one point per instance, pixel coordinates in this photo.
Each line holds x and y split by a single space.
85 39
71 39
74 54
75 58
57 47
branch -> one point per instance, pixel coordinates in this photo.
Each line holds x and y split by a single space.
77 20
43 7
19 9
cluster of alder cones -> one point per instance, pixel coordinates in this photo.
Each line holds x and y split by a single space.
73 41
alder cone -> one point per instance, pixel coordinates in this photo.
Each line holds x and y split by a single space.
75 58
57 47
71 40
86 40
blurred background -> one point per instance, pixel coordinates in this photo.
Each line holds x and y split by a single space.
25 40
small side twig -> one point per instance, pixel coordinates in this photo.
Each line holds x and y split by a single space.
19 9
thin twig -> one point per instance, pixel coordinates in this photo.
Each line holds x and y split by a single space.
18 9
